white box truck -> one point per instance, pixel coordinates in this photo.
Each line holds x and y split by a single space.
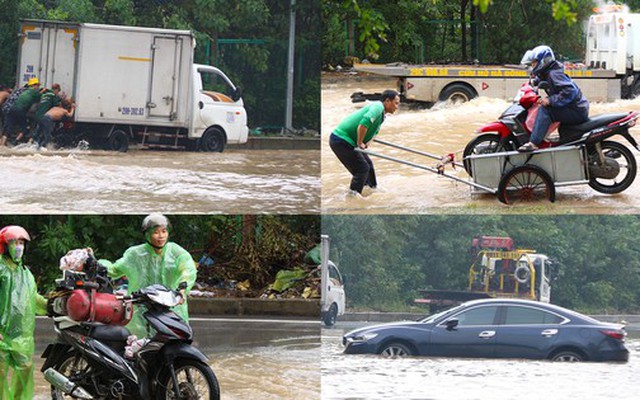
332 302
134 83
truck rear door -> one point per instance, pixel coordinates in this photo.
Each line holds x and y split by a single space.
167 52
48 51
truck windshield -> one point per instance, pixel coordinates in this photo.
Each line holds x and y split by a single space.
216 83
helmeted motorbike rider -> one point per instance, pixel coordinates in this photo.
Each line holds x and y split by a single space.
155 261
19 304
565 104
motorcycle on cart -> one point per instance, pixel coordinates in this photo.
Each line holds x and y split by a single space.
580 154
95 357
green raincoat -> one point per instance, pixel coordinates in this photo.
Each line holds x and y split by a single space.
143 267
19 304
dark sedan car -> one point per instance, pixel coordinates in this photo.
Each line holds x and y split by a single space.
496 328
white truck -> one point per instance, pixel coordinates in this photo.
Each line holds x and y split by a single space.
134 83
332 302
611 70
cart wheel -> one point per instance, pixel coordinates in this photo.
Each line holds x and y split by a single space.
526 183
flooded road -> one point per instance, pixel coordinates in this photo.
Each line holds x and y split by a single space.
370 376
266 359
102 182
440 130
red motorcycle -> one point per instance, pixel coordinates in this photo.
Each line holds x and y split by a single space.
612 166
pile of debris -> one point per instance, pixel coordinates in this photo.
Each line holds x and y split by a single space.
300 282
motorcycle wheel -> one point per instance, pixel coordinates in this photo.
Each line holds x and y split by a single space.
482 144
71 365
196 380
619 153
526 183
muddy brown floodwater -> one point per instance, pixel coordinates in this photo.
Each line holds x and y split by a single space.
440 130
102 182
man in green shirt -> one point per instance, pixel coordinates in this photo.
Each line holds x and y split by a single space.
17 115
50 98
356 131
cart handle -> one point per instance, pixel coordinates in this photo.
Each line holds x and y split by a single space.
422 153
434 170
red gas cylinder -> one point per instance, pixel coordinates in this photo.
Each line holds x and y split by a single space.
98 307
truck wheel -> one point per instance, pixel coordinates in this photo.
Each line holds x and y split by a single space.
457 93
331 316
118 141
213 140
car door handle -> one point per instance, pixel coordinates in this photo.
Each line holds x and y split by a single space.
549 332
487 334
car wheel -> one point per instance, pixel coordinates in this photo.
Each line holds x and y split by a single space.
567 356
331 316
396 350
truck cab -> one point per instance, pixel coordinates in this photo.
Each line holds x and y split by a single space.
333 298
219 116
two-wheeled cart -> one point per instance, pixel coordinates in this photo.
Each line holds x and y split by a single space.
512 176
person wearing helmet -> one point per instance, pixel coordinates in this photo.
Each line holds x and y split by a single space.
19 304
156 261
17 114
565 102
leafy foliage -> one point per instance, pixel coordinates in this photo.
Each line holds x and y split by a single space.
444 31
259 68
387 259
248 247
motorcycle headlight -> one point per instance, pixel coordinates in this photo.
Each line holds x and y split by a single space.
168 298
362 337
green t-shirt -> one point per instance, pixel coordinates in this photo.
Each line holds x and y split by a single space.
370 116
27 99
48 100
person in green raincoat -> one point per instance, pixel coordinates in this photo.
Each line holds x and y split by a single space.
155 261
19 304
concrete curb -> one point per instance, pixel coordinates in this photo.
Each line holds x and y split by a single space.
279 143
252 307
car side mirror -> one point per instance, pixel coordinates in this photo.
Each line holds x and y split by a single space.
237 94
451 324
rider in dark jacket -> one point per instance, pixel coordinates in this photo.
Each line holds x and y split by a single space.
565 103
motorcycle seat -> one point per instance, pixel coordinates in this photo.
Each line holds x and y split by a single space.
571 132
107 333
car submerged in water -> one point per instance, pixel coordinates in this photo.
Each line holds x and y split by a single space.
496 328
